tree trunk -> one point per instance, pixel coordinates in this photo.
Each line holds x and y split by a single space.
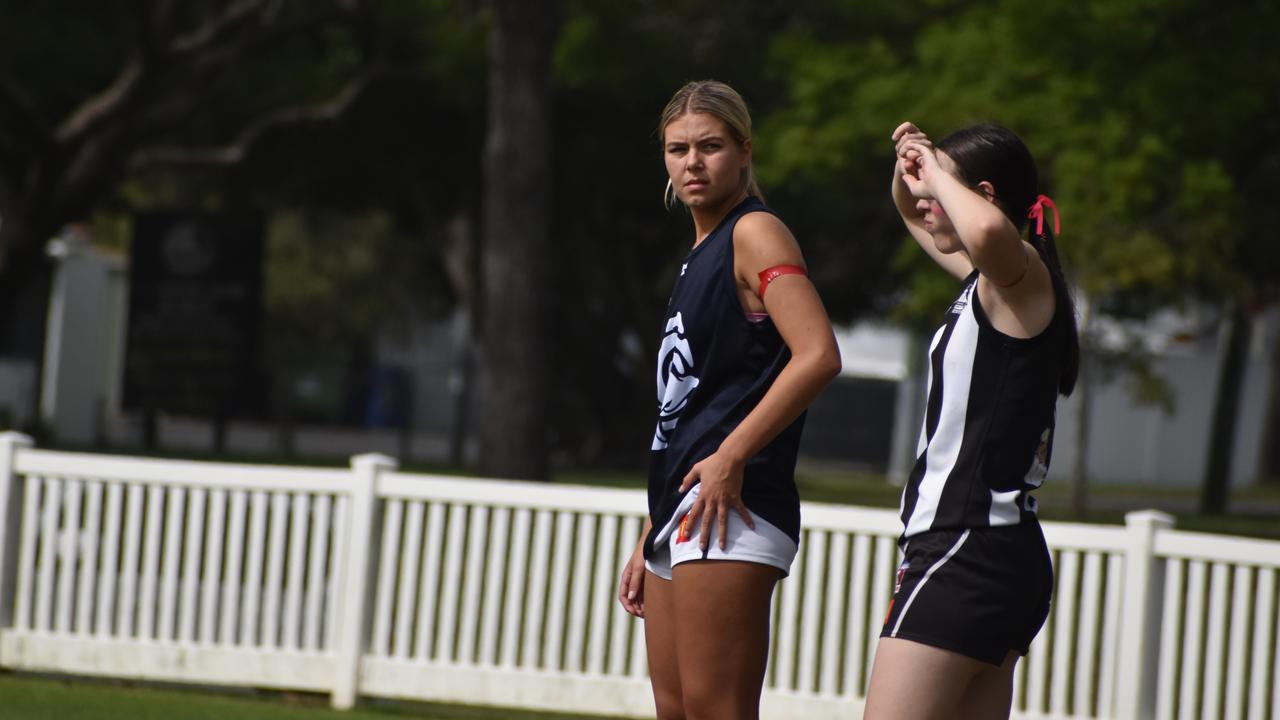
516 252
1222 431
1083 391
1269 451
1080 469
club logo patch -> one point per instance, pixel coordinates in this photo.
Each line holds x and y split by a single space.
676 381
1039 469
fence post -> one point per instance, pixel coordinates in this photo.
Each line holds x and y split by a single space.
355 583
10 516
1142 600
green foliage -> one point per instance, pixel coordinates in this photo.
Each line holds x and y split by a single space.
332 279
56 55
1154 122
444 40
1122 142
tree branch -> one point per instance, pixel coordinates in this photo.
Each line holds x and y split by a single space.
236 151
104 105
113 101
229 21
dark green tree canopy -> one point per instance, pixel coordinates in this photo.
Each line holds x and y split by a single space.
1154 124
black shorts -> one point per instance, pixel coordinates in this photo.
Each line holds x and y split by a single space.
980 592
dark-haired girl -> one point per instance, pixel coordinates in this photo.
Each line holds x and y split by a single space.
975 583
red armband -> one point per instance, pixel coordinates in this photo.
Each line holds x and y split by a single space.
768 275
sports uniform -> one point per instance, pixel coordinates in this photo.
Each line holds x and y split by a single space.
977 575
714 366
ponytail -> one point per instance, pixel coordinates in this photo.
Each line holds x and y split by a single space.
993 153
1041 239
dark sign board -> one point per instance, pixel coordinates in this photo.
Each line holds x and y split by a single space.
195 296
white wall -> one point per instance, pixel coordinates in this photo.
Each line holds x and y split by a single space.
430 352
1132 443
82 341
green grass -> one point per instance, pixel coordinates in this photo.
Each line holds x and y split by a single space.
30 697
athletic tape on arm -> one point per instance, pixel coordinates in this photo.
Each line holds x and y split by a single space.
768 275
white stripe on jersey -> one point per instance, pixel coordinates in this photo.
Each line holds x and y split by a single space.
923 442
928 391
948 437
928 574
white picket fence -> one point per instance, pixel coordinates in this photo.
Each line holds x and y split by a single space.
378 583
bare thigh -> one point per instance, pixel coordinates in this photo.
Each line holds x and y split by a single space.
723 636
990 694
914 681
660 643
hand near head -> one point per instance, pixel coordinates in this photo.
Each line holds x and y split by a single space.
915 159
922 160
908 160
914 162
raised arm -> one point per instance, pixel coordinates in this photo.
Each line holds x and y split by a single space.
908 205
1017 290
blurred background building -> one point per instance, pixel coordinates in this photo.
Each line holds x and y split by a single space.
410 399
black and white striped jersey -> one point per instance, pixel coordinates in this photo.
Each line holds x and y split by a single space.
988 427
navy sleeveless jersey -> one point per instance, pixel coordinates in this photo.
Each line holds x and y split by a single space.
988 428
714 366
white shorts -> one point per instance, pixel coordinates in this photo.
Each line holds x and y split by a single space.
765 544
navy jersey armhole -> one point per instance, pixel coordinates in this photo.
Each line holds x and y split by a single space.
732 280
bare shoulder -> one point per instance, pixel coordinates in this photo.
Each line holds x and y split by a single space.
762 237
1025 308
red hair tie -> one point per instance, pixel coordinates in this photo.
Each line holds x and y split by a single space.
1036 212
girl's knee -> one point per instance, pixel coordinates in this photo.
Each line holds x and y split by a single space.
670 711
713 705
670 705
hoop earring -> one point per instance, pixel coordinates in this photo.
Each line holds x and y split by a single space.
669 195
